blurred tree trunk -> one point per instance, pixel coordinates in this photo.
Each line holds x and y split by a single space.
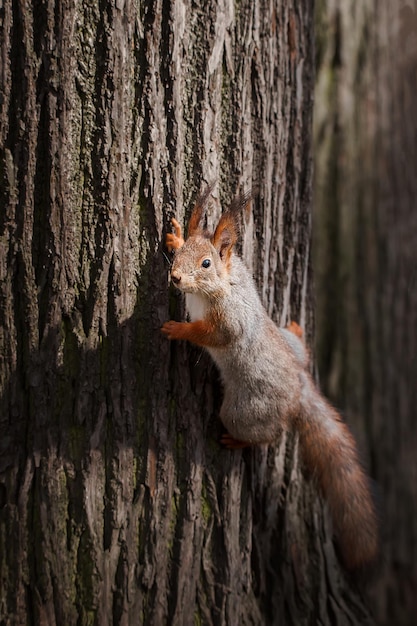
366 259
117 503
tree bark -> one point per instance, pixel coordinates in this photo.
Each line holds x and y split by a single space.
118 505
365 260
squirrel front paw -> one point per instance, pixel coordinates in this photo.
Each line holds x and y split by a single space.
172 329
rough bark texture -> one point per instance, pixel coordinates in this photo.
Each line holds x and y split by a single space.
365 260
118 505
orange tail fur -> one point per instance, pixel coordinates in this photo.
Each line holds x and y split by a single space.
330 453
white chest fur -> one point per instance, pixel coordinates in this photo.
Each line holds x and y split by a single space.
196 306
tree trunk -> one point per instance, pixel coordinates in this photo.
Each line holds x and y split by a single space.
118 505
365 260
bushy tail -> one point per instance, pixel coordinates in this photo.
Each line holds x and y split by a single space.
329 452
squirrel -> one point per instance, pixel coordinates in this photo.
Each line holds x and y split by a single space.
264 371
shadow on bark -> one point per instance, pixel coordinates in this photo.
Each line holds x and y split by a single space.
117 499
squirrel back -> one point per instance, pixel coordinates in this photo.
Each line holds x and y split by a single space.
267 387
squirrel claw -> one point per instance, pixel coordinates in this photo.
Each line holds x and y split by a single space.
231 443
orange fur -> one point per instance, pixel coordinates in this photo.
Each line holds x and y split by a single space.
294 328
201 332
194 225
225 236
329 451
174 241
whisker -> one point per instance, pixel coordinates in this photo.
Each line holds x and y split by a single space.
168 260
199 357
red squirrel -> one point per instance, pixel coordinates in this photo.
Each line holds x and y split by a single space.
264 370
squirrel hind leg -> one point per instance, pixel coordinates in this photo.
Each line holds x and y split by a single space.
231 443
295 329
293 336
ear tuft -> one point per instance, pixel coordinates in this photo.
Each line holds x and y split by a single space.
194 225
241 204
228 229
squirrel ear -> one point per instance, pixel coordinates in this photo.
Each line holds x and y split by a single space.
225 236
227 231
194 225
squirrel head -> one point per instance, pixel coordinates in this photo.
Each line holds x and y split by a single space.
201 264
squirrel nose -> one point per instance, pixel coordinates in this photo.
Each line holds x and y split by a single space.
176 278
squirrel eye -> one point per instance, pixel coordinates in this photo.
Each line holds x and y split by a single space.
206 263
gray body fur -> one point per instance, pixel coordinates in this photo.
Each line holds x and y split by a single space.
262 386
267 387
